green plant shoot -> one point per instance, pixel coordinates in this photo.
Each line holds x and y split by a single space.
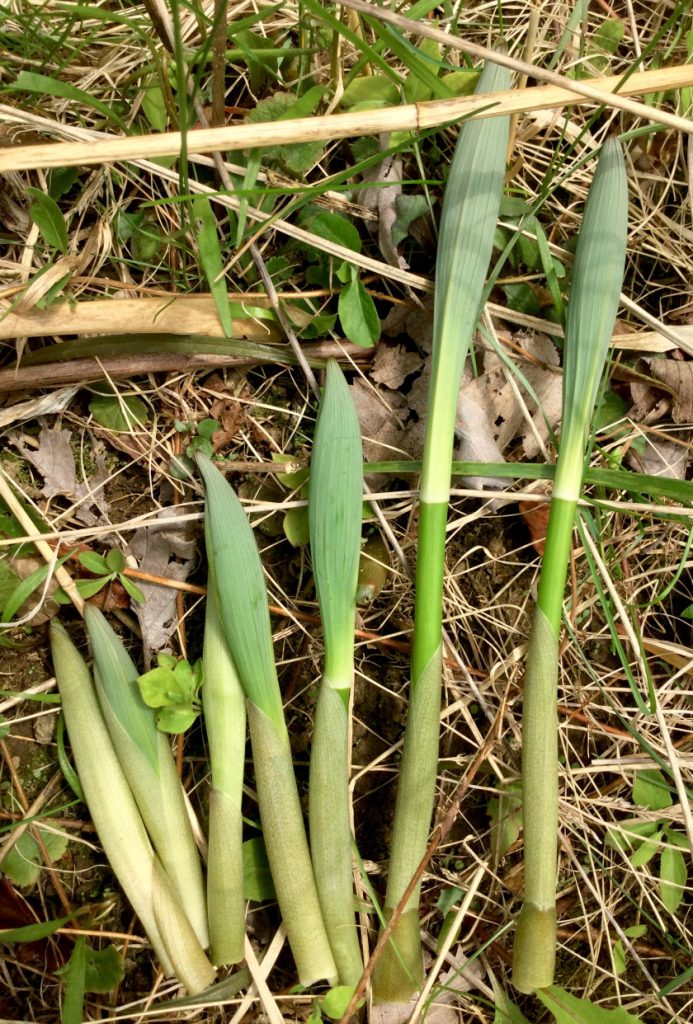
595 292
335 510
119 824
468 223
236 570
146 759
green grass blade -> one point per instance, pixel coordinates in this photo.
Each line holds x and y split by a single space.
335 516
147 761
225 721
210 257
468 222
242 602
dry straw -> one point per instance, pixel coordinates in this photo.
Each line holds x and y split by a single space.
611 90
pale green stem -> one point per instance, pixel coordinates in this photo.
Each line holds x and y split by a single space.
287 849
225 722
330 828
534 950
399 971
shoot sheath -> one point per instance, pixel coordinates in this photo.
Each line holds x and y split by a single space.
225 720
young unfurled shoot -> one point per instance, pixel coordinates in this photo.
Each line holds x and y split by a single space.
594 297
335 511
119 824
468 222
237 575
147 761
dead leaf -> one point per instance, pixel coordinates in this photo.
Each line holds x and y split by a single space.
44 728
416 321
167 549
672 388
393 364
662 458
477 442
382 200
536 517
53 459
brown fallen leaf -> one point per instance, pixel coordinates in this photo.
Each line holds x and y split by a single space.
536 517
392 364
670 388
167 549
662 458
53 459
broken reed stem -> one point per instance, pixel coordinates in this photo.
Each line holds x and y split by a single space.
411 116
171 314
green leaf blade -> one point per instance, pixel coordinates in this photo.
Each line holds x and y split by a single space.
241 591
210 257
358 314
46 215
334 511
